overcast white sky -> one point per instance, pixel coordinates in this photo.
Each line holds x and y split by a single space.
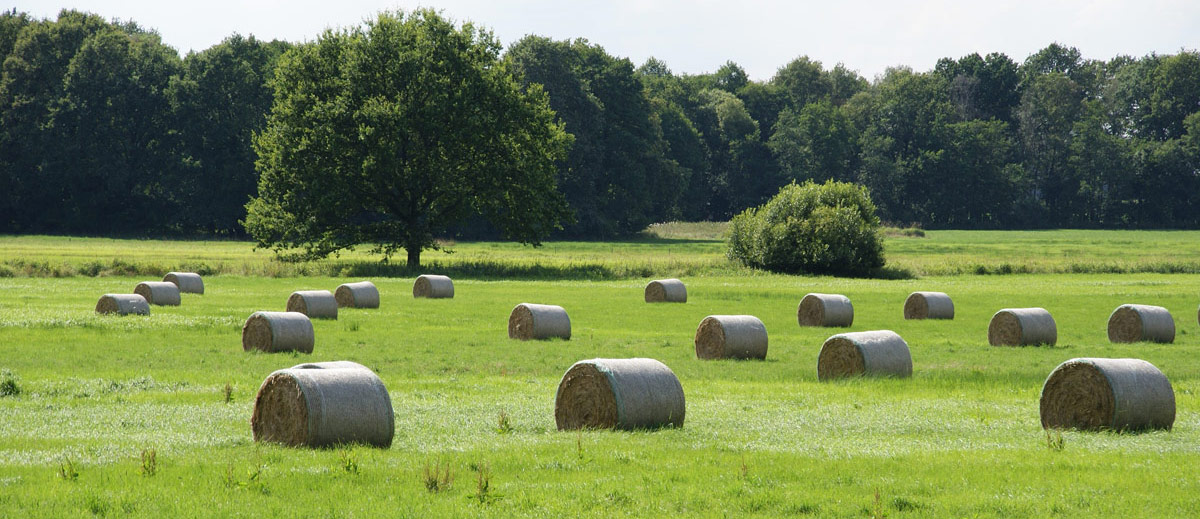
698 36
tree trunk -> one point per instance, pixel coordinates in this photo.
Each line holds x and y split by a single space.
414 257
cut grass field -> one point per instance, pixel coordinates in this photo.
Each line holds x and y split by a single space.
115 416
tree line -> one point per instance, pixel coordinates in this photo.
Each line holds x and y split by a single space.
106 130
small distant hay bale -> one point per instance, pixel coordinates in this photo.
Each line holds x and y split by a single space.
188 282
273 332
666 291
316 304
1022 327
880 353
158 292
731 337
433 287
619 394
1107 394
323 404
123 304
1134 323
825 310
928 305
357 295
532 321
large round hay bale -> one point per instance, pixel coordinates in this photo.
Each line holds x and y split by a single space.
1115 394
928 305
158 292
1133 323
533 321
316 304
880 353
123 304
1022 326
619 394
731 337
666 291
188 282
362 294
323 404
433 286
825 310
278 331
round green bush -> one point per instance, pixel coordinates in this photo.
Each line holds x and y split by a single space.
828 228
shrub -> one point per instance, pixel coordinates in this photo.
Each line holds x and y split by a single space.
828 228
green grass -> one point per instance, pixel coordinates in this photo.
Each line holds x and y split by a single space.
94 395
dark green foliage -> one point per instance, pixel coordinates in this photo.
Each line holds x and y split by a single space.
828 228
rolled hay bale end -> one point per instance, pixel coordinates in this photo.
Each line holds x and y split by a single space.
731 337
1134 323
825 310
323 404
1107 394
532 321
123 304
362 294
434 287
158 292
619 394
316 304
1022 327
880 353
273 332
666 291
188 282
928 305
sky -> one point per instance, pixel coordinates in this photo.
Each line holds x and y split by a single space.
698 36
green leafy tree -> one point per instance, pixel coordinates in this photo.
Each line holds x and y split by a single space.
389 133
818 143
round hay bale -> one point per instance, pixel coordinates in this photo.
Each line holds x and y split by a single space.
1022 326
825 310
619 394
666 291
532 321
880 353
188 282
1115 394
123 304
272 332
928 305
323 404
433 286
1134 323
357 295
158 292
731 337
316 304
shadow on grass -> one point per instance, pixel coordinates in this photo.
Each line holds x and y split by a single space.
488 270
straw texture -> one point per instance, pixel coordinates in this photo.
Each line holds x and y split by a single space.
357 295
928 305
188 282
880 353
666 291
532 321
323 404
123 304
434 287
731 337
316 304
825 310
619 394
272 332
1022 327
1114 394
1133 323
158 292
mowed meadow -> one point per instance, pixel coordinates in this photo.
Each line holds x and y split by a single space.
149 416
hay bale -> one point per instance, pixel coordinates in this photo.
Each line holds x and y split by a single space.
433 286
1133 323
123 304
928 305
619 394
188 282
272 332
731 337
158 292
316 304
825 310
357 295
1115 394
1022 326
666 291
323 404
532 321
880 353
